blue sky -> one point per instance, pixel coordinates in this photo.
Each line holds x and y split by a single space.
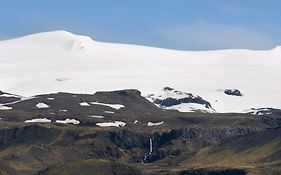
175 24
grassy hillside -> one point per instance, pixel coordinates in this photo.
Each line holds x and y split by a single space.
92 167
185 144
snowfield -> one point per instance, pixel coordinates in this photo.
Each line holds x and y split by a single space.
60 61
38 120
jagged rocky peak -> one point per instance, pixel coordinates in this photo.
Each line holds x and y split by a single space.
170 98
234 92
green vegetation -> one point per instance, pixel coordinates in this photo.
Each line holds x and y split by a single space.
92 167
185 143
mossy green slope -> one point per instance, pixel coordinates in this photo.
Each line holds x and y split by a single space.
92 167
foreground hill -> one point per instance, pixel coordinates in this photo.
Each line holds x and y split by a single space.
122 133
60 61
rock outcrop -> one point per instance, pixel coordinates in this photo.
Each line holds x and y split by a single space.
234 92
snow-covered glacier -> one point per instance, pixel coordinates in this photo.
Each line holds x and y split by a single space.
60 61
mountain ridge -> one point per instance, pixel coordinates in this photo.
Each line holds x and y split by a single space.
65 34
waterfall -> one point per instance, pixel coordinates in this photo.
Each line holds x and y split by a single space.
150 146
150 151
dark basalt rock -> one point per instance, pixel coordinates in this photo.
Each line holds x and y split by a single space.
27 134
168 89
191 99
234 92
127 140
129 92
4 99
210 135
185 98
122 93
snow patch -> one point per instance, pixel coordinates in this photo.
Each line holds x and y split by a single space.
68 121
171 99
191 107
114 106
97 116
42 106
169 92
109 112
112 124
84 104
38 120
259 111
10 96
5 107
154 124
